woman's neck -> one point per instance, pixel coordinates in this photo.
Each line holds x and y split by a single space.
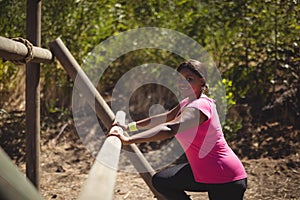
193 97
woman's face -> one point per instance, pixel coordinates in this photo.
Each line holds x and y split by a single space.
194 89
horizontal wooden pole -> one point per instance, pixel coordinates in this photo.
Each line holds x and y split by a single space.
13 50
13 184
101 109
102 177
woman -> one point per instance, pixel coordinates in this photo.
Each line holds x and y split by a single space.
212 166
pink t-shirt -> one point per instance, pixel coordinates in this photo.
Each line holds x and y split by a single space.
210 157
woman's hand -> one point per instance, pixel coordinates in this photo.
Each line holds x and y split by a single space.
123 126
115 131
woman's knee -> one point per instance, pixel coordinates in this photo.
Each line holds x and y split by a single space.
156 182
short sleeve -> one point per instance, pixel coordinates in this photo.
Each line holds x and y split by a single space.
202 104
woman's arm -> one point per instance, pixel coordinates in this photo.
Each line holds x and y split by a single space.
155 120
189 118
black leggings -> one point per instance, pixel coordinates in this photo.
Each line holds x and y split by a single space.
173 181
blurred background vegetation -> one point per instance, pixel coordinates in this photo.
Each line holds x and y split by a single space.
255 44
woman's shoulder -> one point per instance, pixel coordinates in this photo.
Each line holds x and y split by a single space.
204 104
203 96
204 99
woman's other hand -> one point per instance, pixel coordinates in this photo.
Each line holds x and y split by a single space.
123 126
118 132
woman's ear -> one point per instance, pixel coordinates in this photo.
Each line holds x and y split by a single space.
203 82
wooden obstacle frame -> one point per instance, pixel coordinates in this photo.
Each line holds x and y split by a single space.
13 49
101 109
10 179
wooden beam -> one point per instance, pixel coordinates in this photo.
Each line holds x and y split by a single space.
101 108
85 86
13 184
33 34
102 177
13 50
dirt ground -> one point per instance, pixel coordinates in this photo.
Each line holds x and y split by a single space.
65 164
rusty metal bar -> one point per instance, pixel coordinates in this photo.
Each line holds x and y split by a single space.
13 50
33 33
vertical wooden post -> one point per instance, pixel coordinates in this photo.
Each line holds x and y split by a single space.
33 34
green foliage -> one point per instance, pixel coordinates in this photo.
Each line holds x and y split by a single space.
11 25
255 44
12 18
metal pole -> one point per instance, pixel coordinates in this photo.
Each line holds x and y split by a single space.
33 33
